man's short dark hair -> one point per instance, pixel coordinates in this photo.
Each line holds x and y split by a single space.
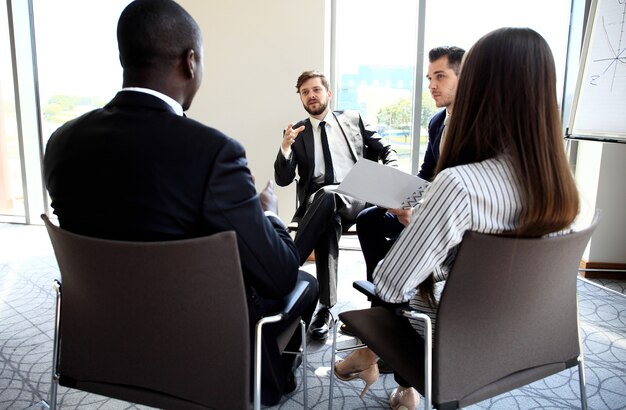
454 54
307 75
152 32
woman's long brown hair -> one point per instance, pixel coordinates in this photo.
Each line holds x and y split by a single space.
506 104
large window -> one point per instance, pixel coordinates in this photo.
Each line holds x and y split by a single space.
376 43
60 60
460 23
375 66
11 181
79 68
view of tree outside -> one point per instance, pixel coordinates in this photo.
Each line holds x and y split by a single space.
77 58
375 66
376 53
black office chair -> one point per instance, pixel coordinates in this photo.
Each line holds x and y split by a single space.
163 324
508 316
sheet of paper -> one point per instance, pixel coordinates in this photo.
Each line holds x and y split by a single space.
382 185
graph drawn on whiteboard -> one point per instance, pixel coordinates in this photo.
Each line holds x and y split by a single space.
599 109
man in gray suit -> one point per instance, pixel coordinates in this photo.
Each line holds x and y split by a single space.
323 148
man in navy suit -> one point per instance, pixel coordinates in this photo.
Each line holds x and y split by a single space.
139 170
323 148
378 228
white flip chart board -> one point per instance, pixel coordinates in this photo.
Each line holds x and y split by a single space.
599 106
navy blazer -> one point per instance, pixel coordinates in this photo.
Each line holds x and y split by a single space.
364 142
435 129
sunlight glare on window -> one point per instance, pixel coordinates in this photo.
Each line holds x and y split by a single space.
376 52
376 49
77 57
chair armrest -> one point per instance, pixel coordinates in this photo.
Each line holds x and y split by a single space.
367 288
293 298
407 311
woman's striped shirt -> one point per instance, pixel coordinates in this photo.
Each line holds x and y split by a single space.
482 197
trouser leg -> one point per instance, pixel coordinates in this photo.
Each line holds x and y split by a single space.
377 230
316 220
326 262
320 229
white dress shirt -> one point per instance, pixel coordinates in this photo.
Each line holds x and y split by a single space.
339 149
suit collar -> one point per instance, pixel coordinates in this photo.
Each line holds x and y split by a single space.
344 125
139 99
309 144
178 109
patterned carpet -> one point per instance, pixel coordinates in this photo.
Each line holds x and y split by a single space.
27 268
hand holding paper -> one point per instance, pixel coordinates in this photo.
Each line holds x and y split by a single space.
382 185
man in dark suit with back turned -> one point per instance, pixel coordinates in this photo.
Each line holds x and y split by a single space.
378 228
323 148
139 170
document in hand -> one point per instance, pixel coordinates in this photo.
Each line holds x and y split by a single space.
382 185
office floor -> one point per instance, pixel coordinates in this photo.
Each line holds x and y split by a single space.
27 267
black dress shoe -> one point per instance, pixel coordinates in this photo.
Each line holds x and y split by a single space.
345 329
290 382
322 322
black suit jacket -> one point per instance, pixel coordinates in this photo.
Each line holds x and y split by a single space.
134 170
435 129
364 142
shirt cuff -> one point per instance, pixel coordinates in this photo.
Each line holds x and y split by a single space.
287 153
271 213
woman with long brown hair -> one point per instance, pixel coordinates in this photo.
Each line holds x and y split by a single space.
502 170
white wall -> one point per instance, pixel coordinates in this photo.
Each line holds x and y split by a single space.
254 52
601 179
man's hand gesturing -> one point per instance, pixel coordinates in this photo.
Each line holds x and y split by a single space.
289 136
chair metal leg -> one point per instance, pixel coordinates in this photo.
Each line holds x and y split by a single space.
257 357
304 364
581 358
332 365
428 368
55 350
335 350
428 356
581 381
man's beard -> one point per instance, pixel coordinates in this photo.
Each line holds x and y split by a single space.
322 107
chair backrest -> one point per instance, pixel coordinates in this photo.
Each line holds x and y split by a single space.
508 315
158 323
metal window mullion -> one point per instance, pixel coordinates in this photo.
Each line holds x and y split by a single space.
417 89
21 37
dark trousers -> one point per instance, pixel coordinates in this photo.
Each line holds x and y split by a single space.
320 229
275 367
377 230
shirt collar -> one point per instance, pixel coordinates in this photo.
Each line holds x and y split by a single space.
328 118
178 109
